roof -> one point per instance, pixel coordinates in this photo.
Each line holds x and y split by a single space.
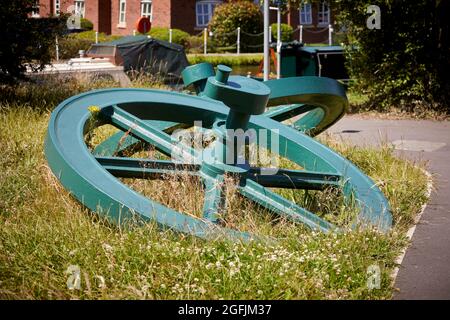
127 41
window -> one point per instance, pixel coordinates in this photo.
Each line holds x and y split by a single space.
57 7
79 8
146 9
122 12
35 10
324 13
204 11
305 14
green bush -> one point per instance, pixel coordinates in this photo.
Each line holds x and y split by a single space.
195 44
286 32
90 35
178 36
403 63
72 43
86 24
231 15
69 47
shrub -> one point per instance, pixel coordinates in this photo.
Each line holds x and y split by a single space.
286 32
403 63
178 36
86 24
69 47
229 16
195 44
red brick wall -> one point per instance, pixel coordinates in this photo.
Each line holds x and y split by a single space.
133 12
161 13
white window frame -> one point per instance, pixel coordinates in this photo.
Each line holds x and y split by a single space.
200 17
35 10
122 13
323 16
146 9
80 8
306 14
57 8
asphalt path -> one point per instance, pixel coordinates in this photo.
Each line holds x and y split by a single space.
425 270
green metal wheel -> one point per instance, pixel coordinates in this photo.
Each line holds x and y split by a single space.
149 116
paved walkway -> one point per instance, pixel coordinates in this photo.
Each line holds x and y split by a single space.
425 270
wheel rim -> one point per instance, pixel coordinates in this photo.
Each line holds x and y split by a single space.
89 180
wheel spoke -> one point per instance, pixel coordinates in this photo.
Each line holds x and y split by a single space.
214 203
143 168
289 111
148 133
282 206
296 179
121 141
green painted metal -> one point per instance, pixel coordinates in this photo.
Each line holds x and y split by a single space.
148 117
288 98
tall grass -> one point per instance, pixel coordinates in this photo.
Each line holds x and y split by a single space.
45 233
230 60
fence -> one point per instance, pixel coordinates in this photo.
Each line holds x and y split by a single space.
240 41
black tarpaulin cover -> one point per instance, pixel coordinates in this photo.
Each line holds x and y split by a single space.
144 54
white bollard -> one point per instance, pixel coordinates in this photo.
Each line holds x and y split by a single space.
266 41
205 40
134 32
57 49
279 43
96 36
238 41
270 34
330 31
301 33
170 35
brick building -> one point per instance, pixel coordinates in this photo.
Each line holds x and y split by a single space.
119 16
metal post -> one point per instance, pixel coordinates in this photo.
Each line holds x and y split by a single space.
205 40
238 42
330 30
96 36
266 40
170 35
279 42
301 33
57 49
270 34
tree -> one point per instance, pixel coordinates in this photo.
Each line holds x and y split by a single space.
403 63
231 15
25 41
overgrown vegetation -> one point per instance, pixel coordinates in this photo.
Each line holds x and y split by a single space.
405 62
229 60
45 233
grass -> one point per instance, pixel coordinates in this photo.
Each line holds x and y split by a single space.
227 59
359 104
45 233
